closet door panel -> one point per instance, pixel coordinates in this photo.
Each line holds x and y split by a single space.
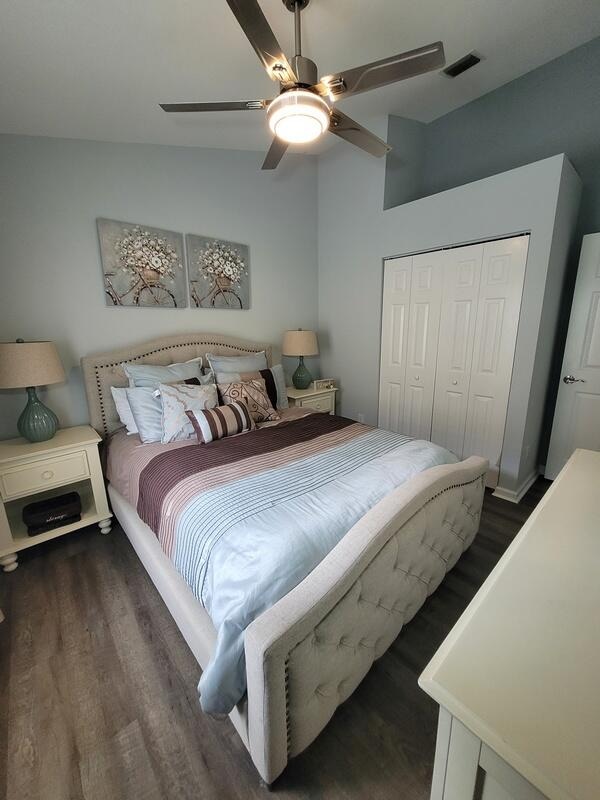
461 280
422 345
501 289
397 274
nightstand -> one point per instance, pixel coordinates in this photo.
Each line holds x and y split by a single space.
320 399
33 471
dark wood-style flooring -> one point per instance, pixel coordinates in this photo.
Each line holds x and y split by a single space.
99 688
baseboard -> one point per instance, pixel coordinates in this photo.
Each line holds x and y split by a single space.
515 496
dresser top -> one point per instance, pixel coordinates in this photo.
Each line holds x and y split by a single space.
65 439
521 667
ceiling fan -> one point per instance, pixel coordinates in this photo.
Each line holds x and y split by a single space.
304 109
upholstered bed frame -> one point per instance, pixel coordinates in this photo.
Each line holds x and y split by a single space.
308 652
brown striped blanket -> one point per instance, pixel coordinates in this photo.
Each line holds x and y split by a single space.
246 518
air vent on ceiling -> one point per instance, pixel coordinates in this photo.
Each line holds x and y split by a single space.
462 65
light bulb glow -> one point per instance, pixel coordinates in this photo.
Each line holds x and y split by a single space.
298 116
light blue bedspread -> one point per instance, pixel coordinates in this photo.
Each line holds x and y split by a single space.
243 546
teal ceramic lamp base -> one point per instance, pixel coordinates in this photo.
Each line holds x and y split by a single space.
37 422
301 377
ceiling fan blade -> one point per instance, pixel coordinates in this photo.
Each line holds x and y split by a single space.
275 154
254 24
352 132
380 73
235 105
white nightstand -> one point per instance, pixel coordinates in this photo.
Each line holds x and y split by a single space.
319 399
32 471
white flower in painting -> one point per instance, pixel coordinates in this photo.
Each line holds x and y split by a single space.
138 249
221 260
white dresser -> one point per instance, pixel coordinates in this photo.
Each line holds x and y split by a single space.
518 677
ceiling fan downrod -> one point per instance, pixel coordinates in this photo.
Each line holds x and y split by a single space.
297 30
305 69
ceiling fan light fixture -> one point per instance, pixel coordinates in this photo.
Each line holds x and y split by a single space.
298 116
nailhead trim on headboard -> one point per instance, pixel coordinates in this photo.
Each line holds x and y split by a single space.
99 368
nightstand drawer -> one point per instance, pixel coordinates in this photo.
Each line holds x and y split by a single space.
43 474
324 404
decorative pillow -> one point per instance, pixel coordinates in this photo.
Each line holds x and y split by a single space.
147 413
274 379
151 375
251 363
124 409
254 394
176 400
203 380
216 423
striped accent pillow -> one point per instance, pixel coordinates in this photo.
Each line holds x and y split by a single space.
216 423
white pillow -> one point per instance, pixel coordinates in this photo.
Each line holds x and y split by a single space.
178 398
124 409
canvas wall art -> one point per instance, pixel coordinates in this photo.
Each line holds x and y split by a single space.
142 266
218 272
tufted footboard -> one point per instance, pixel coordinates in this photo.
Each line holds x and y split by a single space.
309 652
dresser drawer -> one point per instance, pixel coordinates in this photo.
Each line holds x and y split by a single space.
43 474
323 403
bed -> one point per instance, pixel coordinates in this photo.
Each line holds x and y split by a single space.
305 653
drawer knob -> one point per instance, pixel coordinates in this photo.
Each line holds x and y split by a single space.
317 405
47 474
454 383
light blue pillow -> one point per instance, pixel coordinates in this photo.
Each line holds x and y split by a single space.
250 363
279 378
147 412
151 375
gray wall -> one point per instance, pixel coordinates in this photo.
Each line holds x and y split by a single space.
552 109
356 234
405 163
52 190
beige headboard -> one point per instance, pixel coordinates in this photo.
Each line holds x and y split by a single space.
104 370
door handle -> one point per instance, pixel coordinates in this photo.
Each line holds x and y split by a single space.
572 379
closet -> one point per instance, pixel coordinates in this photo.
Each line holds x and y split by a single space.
448 335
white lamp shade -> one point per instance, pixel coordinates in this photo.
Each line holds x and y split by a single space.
300 343
298 115
25 364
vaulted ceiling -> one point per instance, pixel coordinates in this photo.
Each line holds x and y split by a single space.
97 69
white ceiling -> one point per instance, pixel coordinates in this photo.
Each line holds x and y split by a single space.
96 69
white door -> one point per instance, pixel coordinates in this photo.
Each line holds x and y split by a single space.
462 276
498 308
394 334
577 416
422 344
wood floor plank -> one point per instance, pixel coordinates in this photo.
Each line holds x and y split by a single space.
99 697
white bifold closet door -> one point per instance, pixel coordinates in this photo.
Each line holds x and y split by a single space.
412 294
462 277
449 330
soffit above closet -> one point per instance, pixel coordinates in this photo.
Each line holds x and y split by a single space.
97 70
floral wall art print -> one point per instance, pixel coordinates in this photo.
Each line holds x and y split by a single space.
218 272
142 266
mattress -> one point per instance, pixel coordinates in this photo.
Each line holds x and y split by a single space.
245 519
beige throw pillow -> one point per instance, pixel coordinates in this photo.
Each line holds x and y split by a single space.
255 396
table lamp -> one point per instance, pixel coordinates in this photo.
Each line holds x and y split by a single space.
25 365
300 343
